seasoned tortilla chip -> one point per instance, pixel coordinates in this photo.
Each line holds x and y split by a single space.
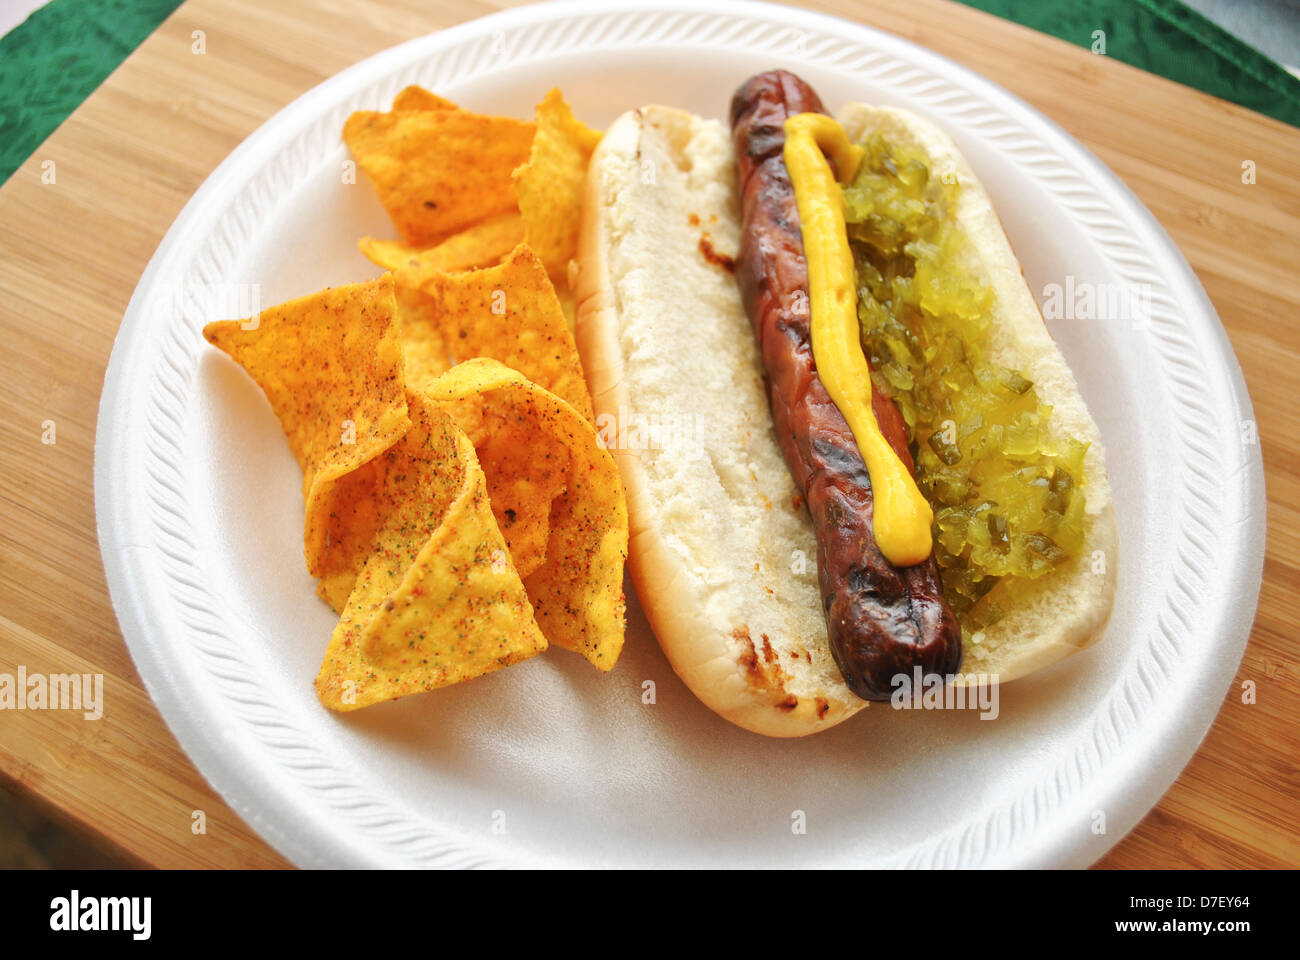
557 497
438 600
482 245
527 465
352 508
418 98
439 171
564 292
331 366
509 313
550 185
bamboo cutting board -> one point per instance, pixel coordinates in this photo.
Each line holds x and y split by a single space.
130 157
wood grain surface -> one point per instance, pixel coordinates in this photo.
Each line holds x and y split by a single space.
130 157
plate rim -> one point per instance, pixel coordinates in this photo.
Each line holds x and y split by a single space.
268 810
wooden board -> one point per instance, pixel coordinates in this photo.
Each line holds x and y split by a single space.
128 159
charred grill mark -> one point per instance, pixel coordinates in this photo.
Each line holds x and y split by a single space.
763 671
840 460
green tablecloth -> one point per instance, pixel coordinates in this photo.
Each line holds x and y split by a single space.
1168 38
63 51
56 58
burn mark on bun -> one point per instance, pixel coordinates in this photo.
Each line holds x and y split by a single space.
717 259
763 671
823 707
749 657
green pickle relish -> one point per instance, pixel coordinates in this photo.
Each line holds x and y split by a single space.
1005 491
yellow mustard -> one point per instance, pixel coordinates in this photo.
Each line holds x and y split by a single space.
902 516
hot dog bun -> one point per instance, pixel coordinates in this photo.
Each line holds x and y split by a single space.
714 530
722 553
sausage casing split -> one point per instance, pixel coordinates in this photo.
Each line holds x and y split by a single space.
881 620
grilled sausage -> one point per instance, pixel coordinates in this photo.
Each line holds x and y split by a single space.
881 620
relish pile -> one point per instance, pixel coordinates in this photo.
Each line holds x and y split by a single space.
1005 492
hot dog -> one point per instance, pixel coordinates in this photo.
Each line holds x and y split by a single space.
766 553
882 620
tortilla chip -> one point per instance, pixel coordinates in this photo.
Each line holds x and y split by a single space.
482 245
418 98
526 468
438 600
331 366
568 306
557 497
439 171
509 313
550 185
353 514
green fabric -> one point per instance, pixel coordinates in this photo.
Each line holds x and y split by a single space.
1168 38
54 60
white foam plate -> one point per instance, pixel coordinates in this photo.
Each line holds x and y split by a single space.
549 762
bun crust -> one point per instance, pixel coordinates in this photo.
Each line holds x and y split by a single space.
722 553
